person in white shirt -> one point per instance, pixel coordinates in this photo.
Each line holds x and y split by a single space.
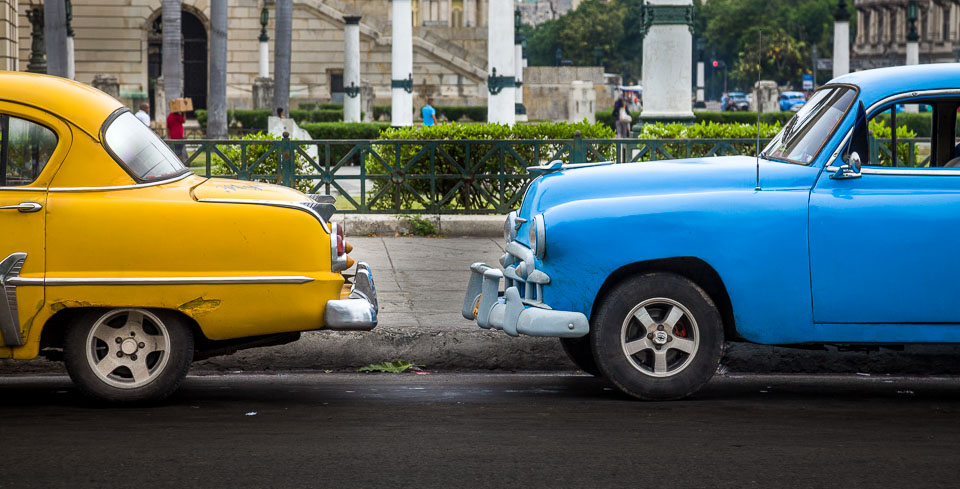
144 114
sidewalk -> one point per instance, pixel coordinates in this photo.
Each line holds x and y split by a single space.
420 283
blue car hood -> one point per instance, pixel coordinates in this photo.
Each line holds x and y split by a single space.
712 174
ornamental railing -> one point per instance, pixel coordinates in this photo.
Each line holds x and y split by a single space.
437 176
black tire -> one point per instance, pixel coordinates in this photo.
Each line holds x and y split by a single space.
579 352
671 360
162 364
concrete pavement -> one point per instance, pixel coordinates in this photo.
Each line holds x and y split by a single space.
421 281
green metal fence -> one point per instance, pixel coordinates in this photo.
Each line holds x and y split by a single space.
418 176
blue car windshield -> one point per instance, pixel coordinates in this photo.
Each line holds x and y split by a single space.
801 140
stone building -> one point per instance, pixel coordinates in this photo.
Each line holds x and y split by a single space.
122 38
882 27
534 12
8 35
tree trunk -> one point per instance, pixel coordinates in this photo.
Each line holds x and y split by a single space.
281 54
217 98
55 32
172 51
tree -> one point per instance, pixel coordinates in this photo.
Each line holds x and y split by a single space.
172 51
217 99
281 55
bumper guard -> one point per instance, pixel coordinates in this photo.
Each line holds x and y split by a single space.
359 311
508 312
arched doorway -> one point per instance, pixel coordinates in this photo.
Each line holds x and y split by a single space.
194 58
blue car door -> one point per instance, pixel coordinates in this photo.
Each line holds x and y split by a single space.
884 246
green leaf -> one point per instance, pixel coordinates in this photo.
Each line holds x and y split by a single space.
394 367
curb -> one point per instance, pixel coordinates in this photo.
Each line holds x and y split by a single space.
476 226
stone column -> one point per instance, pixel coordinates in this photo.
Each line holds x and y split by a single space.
366 101
667 49
55 36
501 103
841 39
402 66
469 13
351 69
71 57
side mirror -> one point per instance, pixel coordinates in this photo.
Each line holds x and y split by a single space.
851 169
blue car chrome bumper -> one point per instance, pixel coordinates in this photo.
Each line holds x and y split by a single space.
509 313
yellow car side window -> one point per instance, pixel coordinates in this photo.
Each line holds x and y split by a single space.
25 148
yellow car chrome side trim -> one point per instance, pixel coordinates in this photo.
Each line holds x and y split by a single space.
120 187
55 281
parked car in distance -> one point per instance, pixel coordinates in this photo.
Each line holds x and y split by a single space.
738 101
792 101
645 270
119 260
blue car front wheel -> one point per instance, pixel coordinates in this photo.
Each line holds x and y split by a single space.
657 336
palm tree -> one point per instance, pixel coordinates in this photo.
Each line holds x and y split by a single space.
217 98
55 32
172 51
281 53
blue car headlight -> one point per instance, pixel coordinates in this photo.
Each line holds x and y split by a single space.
538 236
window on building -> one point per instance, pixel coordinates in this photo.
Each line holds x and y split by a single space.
945 15
336 86
25 148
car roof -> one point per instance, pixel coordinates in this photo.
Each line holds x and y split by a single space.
792 94
882 82
736 93
80 104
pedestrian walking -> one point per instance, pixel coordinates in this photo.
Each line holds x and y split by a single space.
429 113
144 114
175 121
621 114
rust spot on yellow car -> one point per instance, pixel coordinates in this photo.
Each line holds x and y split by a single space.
199 305
59 306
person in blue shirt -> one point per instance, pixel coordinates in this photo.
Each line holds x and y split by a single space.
429 113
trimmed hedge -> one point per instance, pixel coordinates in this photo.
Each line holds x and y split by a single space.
451 162
920 123
345 130
606 117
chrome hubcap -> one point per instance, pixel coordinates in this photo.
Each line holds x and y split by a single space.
128 348
660 337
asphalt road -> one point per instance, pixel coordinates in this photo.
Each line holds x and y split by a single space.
475 430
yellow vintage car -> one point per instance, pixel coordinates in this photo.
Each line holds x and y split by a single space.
119 260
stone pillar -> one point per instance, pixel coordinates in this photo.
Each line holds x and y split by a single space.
402 66
55 36
469 13
582 102
351 69
107 84
841 39
263 93
501 102
765 96
367 98
71 56
667 49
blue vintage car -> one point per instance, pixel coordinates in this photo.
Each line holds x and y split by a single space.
645 270
792 101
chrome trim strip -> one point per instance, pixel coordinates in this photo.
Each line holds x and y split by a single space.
25 189
874 107
906 170
9 313
121 187
275 203
266 279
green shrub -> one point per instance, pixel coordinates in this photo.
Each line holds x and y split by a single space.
456 113
420 226
743 117
708 130
345 130
920 123
245 167
880 130
410 185
605 117
249 119
382 110
307 106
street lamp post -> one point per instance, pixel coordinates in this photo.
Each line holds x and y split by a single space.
264 49
38 63
518 44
